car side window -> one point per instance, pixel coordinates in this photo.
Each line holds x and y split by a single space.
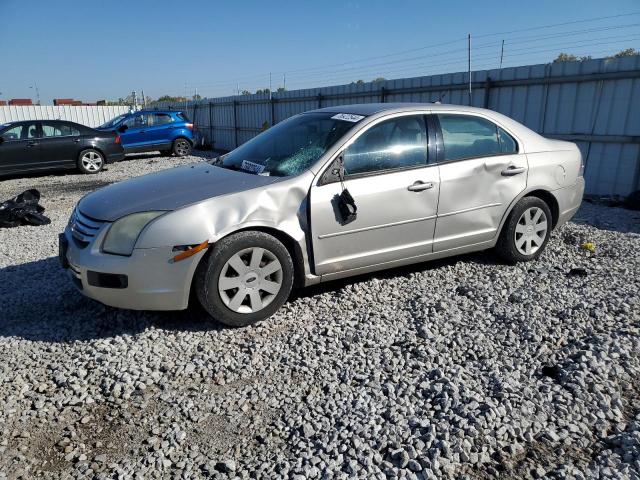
159 119
137 121
507 143
59 130
466 136
393 144
14 133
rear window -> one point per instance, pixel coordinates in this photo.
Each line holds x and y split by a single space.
183 116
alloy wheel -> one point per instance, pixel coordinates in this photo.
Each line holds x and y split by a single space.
182 148
250 280
92 161
531 231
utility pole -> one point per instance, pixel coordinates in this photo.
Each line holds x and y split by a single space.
284 81
270 88
501 53
35 87
238 89
144 99
135 100
469 66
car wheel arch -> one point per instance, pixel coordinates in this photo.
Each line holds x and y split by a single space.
182 137
89 146
539 192
287 240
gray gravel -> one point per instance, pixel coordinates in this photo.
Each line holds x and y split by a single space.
459 368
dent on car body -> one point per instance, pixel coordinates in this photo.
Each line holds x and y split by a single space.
222 215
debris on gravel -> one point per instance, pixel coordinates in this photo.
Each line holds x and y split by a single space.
460 368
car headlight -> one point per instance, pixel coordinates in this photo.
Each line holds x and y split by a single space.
123 233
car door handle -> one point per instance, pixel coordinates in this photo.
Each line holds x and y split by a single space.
419 186
77 140
511 170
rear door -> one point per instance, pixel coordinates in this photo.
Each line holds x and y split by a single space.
481 172
20 148
159 126
396 193
60 144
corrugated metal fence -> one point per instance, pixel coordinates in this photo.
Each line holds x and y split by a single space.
595 103
91 116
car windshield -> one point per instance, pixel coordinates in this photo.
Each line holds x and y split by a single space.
113 122
289 147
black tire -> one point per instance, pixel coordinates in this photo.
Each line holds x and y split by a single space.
166 153
507 247
209 271
181 147
90 161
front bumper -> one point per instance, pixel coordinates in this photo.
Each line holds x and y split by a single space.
152 280
569 200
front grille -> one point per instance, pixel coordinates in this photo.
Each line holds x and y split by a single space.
84 228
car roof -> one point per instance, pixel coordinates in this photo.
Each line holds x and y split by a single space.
159 111
368 109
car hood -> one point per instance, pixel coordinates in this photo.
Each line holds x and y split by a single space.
168 190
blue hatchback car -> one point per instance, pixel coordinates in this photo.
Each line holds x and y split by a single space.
170 132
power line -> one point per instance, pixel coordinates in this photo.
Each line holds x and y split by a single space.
376 70
317 71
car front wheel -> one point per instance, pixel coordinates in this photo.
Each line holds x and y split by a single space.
526 232
245 278
90 161
181 147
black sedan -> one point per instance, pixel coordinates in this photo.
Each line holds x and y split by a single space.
35 145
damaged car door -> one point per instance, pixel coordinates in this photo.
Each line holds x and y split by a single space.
481 173
386 172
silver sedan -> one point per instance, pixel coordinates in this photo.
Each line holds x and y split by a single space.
326 194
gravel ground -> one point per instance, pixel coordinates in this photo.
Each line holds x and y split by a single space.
459 368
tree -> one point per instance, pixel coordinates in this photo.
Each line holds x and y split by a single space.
246 92
379 79
565 57
196 97
281 89
569 57
169 98
264 90
627 52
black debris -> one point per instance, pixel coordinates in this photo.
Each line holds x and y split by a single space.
23 210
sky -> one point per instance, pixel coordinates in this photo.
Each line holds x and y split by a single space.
96 49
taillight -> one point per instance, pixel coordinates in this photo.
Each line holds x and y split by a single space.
189 126
117 139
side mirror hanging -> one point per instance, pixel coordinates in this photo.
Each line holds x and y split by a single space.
347 207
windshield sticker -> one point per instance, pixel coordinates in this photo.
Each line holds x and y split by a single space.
348 117
252 167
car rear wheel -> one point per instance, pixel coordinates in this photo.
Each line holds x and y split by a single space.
245 278
526 232
181 147
90 161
